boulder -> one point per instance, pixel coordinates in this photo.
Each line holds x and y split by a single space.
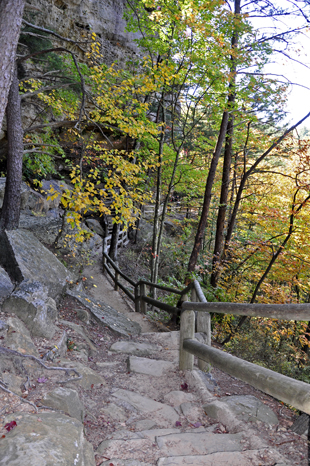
37 203
95 226
6 286
31 303
45 440
46 229
18 338
25 190
67 400
25 258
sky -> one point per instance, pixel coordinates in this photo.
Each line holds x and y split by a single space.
298 104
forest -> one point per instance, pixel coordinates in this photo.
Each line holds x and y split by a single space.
193 122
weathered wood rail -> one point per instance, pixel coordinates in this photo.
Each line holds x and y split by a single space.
195 317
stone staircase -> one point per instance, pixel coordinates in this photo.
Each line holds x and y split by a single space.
137 408
159 414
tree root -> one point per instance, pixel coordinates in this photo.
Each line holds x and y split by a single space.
3 387
10 352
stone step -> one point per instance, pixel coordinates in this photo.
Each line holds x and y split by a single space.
164 415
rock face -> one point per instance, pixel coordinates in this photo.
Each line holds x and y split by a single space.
74 18
31 303
106 315
52 439
25 258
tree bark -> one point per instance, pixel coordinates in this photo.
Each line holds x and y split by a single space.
11 204
11 13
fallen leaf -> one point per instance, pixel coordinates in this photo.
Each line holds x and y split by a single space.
197 424
178 424
10 425
184 386
42 379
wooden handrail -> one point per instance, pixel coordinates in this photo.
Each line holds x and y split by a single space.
274 311
291 391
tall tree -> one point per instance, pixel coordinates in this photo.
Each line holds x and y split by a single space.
11 13
11 203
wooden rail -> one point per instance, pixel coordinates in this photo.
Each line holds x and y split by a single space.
195 316
139 294
291 391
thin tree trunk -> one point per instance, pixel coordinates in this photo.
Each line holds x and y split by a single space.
11 13
11 204
218 245
207 197
210 180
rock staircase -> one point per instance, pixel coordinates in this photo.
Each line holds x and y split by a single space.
161 414
138 409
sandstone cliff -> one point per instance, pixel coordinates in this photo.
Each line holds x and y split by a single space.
71 18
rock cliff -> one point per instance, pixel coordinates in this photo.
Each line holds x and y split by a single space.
71 18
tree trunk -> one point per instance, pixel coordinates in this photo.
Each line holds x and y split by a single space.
207 196
11 204
218 246
11 13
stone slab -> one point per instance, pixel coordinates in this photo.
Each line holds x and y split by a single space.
169 340
153 433
146 366
18 337
25 258
177 397
164 415
45 439
245 458
192 411
145 424
125 449
120 462
106 315
200 443
134 348
240 408
112 411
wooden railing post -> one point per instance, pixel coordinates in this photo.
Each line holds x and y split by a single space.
137 298
143 305
187 330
